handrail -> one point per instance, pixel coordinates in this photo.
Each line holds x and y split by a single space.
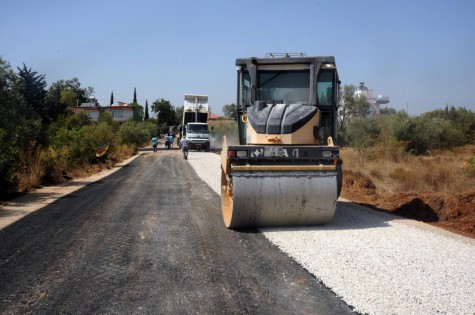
285 55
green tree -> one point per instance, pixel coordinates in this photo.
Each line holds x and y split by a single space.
33 89
64 93
229 111
460 118
387 111
112 99
146 116
138 109
351 106
165 112
69 97
179 114
19 125
347 101
136 133
360 107
363 133
138 112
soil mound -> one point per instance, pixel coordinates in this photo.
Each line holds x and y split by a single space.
452 212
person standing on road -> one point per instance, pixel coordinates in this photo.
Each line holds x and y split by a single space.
167 141
171 140
184 147
154 144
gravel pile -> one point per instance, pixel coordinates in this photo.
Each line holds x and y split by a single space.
376 262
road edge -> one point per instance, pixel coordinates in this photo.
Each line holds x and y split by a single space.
14 210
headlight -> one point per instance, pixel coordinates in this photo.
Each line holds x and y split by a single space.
327 154
238 153
328 66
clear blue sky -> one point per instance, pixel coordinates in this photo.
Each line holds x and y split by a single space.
417 52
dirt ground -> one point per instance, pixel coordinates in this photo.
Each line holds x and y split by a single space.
455 213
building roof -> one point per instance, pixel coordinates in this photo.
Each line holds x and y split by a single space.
213 116
83 106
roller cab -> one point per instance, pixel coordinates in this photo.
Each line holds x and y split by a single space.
286 170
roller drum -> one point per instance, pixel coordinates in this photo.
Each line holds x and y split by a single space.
295 198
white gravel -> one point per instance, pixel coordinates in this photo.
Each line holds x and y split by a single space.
376 262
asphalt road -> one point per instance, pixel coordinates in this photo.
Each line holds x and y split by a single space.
149 239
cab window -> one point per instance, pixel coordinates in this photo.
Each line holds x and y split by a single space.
325 88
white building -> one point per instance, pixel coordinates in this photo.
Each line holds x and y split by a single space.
374 102
120 112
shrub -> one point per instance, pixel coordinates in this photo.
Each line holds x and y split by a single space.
400 132
363 133
90 138
469 166
430 133
73 140
136 133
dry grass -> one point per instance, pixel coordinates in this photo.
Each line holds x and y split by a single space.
30 168
119 154
35 161
395 171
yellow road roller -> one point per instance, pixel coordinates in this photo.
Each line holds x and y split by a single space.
286 169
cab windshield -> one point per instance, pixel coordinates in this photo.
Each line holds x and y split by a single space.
198 128
285 87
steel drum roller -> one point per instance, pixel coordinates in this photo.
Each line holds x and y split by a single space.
269 198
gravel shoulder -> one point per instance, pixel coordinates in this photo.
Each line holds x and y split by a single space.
377 262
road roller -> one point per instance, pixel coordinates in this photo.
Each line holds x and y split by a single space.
286 169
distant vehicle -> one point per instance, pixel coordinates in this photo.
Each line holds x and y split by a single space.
195 122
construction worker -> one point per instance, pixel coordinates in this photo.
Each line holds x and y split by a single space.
154 143
184 147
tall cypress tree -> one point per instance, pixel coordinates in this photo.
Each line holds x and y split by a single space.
135 96
33 89
146 116
112 98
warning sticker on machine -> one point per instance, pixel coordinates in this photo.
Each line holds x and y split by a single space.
274 152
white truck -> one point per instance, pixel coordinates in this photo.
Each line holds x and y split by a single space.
195 122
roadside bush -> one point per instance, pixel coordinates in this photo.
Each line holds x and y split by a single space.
30 168
151 128
363 133
92 137
63 139
16 135
460 118
387 148
428 133
417 135
136 133
72 143
106 117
